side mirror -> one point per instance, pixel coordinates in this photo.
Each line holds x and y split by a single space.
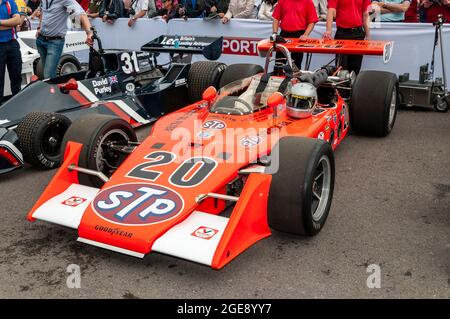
209 94
71 85
275 99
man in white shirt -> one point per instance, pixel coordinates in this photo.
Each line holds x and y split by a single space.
138 9
239 9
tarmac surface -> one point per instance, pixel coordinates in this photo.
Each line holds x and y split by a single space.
391 208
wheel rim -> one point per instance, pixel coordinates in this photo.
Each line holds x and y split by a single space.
52 140
441 104
392 108
68 67
107 160
321 188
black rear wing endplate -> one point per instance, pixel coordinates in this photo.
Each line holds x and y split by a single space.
209 47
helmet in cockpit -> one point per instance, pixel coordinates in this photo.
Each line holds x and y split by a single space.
301 100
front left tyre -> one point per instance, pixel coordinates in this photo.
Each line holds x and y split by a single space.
101 136
41 135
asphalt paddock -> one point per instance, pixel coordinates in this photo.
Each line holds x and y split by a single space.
391 208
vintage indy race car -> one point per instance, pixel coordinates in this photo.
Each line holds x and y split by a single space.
216 176
125 83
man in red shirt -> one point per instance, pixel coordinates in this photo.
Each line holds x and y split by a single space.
412 14
352 21
296 19
434 9
84 4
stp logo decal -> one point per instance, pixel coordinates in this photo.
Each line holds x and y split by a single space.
74 201
214 125
250 141
204 232
137 204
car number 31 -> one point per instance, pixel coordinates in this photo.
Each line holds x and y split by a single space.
129 62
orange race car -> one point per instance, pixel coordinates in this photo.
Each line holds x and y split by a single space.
216 176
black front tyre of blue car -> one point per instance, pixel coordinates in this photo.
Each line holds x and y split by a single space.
102 136
40 135
302 185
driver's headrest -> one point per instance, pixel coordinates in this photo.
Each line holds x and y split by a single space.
281 69
96 63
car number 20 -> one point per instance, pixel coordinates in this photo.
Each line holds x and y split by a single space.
190 173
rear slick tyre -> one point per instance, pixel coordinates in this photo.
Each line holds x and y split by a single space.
374 103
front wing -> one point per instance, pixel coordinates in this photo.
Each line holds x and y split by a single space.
202 236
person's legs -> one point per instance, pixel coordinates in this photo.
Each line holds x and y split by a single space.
2 69
14 64
54 52
351 62
42 49
355 61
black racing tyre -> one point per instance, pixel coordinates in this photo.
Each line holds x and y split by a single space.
39 69
374 103
239 71
302 186
41 135
67 64
95 132
202 75
442 105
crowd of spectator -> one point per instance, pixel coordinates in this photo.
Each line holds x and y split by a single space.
110 10
293 18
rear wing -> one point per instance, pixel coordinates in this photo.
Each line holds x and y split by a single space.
209 47
363 47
